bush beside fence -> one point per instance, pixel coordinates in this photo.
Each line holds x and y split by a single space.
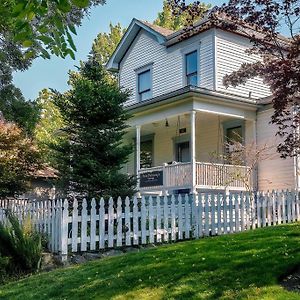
79 226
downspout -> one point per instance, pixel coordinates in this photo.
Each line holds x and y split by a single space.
255 171
215 60
296 175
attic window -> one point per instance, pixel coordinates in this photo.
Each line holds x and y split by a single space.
191 68
144 85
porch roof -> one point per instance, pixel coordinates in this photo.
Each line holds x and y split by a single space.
189 99
192 91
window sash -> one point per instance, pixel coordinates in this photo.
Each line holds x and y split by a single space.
191 62
144 82
234 134
192 79
191 68
145 95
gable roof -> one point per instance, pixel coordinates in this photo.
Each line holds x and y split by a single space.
159 33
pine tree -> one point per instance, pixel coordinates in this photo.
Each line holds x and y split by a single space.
90 159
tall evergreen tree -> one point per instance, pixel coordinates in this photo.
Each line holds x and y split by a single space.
90 159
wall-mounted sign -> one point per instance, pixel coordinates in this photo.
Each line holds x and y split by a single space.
154 178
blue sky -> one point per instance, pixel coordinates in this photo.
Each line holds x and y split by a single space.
53 73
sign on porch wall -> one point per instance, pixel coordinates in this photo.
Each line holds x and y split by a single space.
154 178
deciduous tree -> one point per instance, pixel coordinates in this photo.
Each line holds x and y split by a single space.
167 19
105 43
31 28
15 108
19 158
47 131
263 22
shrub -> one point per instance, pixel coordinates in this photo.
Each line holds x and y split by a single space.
20 246
4 263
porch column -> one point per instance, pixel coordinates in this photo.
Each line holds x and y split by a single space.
193 150
138 153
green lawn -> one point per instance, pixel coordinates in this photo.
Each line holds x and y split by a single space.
240 266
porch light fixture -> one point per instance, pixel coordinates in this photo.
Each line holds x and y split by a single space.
167 123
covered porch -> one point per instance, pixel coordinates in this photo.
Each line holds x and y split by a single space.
178 148
179 177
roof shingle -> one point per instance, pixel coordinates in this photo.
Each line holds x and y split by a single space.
163 31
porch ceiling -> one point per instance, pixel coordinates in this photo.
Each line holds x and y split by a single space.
198 103
150 128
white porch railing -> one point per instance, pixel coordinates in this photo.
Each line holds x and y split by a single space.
208 176
178 175
217 176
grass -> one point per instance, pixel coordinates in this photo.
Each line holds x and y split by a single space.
239 266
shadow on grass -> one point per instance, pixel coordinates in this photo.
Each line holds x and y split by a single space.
228 267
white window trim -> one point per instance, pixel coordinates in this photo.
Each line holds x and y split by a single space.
184 52
139 71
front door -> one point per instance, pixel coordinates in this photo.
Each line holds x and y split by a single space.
183 152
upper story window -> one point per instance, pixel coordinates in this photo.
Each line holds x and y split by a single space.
191 63
144 85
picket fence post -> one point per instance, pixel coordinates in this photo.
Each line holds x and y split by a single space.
64 230
102 224
173 219
180 218
127 222
195 217
75 226
119 222
158 219
166 220
84 219
93 225
143 221
151 221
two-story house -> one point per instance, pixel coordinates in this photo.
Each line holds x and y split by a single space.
182 114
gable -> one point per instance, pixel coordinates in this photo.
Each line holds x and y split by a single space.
157 33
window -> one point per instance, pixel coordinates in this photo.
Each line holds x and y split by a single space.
183 152
234 138
191 63
234 135
144 85
146 154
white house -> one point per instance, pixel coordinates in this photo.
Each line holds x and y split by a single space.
182 113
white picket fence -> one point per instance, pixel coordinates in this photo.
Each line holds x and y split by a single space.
74 226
